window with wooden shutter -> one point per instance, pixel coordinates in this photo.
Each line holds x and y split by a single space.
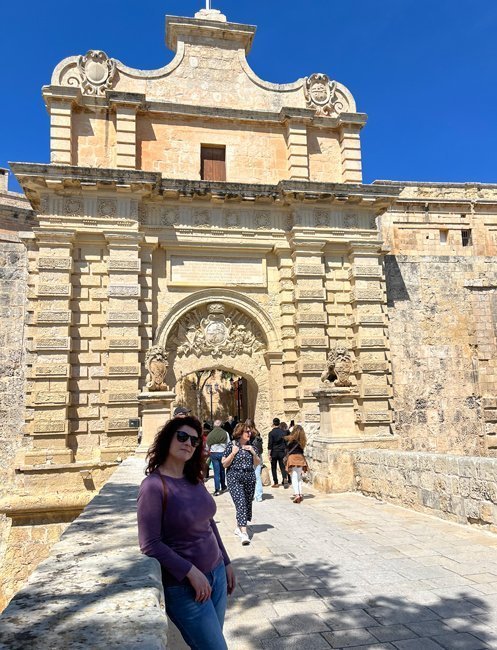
212 163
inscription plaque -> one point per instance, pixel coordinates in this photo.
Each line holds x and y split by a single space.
225 272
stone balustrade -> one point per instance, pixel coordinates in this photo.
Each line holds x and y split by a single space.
95 590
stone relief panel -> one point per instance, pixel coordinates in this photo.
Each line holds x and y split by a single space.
339 367
156 363
216 330
320 93
97 72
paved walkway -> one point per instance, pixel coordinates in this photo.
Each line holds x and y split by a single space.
347 571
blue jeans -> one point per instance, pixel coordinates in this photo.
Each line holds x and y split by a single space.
258 482
201 624
219 471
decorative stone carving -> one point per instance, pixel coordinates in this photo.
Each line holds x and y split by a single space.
107 208
216 334
73 207
156 362
339 366
320 93
97 72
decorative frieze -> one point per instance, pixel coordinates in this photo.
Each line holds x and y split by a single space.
303 318
374 366
357 271
313 342
131 343
124 317
49 397
62 290
122 397
124 291
313 294
372 342
371 294
308 269
376 416
51 370
125 370
54 263
50 316
52 343
49 426
124 265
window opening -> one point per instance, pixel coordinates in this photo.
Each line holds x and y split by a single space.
212 163
466 237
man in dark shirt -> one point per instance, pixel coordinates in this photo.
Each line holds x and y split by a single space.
277 450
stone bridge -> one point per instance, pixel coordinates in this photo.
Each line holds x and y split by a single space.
338 570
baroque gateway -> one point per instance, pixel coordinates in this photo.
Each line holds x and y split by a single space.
197 219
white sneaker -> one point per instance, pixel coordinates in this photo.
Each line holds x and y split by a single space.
245 539
238 532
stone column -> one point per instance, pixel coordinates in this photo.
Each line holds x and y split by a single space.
368 300
336 409
126 105
49 339
350 143
125 323
155 411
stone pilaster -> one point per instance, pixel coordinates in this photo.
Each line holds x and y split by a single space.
126 106
368 300
310 322
60 101
125 322
289 358
350 144
296 121
49 340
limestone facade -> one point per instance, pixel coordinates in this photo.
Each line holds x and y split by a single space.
333 299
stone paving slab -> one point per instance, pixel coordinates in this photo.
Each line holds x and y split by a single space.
346 571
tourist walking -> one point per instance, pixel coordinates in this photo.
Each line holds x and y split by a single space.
296 462
277 450
240 459
217 440
256 441
176 526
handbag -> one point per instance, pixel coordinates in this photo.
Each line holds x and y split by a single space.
288 453
265 476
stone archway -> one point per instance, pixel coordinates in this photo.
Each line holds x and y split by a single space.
227 332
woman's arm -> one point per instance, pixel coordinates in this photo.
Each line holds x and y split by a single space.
230 574
229 456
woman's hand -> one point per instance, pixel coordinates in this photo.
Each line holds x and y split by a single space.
200 584
235 450
249 448
230 579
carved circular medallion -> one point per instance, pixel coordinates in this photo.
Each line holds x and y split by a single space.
216 333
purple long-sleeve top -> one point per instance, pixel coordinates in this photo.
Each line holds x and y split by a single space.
185 533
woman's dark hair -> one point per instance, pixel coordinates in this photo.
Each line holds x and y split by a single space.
159 450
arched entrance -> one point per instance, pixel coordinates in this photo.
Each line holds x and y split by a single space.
226 331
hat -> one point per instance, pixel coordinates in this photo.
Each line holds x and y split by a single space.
181 410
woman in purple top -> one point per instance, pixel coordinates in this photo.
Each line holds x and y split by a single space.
176 526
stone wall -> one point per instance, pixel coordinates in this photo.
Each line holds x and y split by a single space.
457 488
12 372
442 316
94 575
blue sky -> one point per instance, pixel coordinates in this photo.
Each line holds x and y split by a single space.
425 71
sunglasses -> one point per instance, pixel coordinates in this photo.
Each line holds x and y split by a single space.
183 436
